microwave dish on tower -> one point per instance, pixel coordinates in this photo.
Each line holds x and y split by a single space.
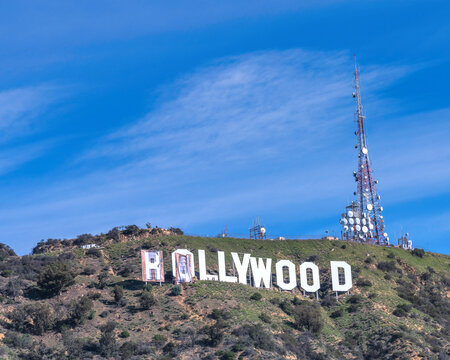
367 205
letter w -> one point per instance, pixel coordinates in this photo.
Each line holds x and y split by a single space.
261 272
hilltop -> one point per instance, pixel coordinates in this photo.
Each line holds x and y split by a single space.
65 302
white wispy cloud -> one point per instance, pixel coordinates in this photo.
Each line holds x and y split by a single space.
20 108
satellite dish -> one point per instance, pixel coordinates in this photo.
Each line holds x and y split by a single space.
364 229
350 213
371 226
358 228
381 208
385 235
369 207
345 221
263 230
351 221
357 221
363 221
364 150
352 229
345 228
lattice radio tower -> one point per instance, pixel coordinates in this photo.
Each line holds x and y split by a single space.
364 222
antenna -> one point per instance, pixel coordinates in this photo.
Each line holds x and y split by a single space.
367 206
257 231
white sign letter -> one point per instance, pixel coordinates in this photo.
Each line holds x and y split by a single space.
280 277
347 278
183 266
261 272
241 268
222 269
304 278
202 267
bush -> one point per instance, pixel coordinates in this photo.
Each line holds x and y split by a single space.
131 230
387 266
118 294
147 287
256 296
260 338
418 252
363 283
402 310
226 355
220 314
94 252
176 231
286 306
175 290
55 278
391 255
159 340
107 342
14 288
16 340
88 271
265 318
337 313
103 278
124 334
387 277
81 310
147 300
35 318
307 316
128 350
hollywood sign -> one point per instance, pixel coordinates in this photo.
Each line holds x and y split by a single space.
259 269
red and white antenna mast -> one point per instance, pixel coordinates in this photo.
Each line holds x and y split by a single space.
363 221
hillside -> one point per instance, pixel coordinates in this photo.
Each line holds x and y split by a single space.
96 307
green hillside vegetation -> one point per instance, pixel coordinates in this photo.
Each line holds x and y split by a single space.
65 302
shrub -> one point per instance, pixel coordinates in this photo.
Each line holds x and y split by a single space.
286 306
35 318
418 252
312 258
265 318
402 310
256 296
175 290
131 230
103 278
159 340
107 342
128 349
169 347
16 340
147 287
176 231
363 283
14 287
220 314
88 271
260 338
387 266
391 255
84 239
55 278
94 252
118 294
337 313
344 246
368 260
81 309
307 316
6 251
388 277
147 300
124 334
226 355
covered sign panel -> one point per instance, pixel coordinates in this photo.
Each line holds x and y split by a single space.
152 266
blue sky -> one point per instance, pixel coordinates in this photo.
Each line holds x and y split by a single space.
202 114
